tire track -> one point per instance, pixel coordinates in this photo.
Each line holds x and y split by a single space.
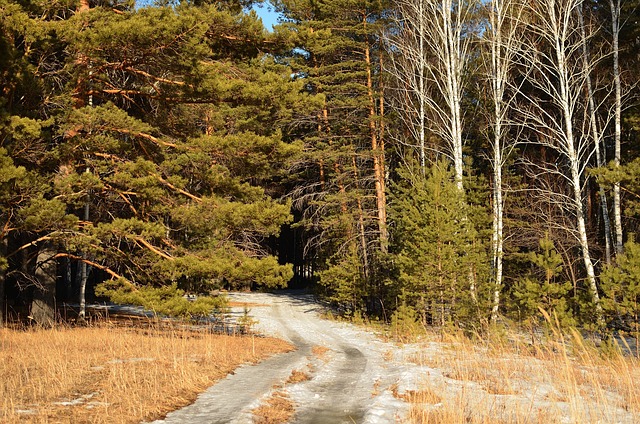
335 395
339 391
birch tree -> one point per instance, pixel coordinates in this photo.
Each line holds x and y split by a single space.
408 66
503 40
615 33
434 40
554 108
596 134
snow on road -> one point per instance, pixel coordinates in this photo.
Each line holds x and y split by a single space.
351 383
356 378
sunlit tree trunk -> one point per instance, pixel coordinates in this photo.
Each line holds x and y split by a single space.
596 134
378 155
503 39
559 74
615 32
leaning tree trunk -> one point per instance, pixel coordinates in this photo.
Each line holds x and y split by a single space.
43 302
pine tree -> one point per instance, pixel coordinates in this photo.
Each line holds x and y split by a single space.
621 287
435 246
343 194
156 142
542 290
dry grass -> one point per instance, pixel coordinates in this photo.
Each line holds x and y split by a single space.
500 381
298 376
277 409
320 352
114 375
426 396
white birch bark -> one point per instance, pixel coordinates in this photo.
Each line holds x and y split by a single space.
408 67
615 32
554 59
434 46
503 40
596 134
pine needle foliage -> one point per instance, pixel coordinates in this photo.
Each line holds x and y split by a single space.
435 246
542 290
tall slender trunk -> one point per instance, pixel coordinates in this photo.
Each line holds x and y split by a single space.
617 207
576 180
498 213
378 155
83 266
361 227
421 87
597 137
499 68
453 66
381 143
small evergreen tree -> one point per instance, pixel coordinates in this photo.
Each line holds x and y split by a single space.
621 286
435 245
541 290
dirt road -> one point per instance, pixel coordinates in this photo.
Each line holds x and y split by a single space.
351 372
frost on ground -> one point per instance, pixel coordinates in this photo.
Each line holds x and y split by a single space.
354 376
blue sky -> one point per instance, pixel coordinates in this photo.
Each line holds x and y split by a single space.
268 15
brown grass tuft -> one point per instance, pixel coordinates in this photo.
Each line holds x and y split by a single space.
320 352
277 409
298 377
114 375
424 396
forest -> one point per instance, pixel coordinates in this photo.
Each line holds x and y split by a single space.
455 163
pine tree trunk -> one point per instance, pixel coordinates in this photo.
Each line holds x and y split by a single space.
378 157
43 304
361 228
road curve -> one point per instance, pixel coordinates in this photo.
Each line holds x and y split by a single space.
349 384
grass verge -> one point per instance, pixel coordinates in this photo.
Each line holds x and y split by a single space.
104 374
505 381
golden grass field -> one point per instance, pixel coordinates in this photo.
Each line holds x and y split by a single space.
499 381
109 374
